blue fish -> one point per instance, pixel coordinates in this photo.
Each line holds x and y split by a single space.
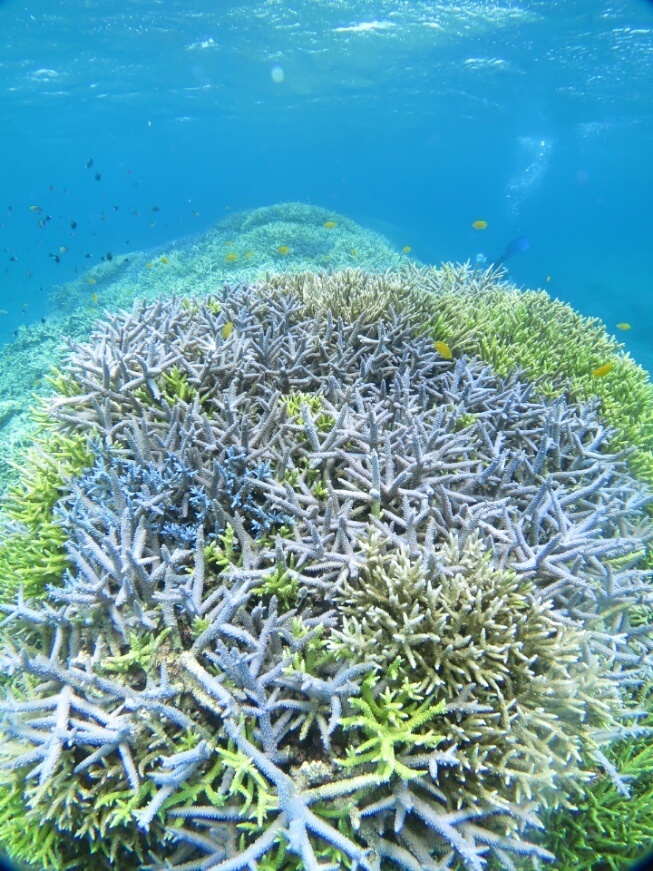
521 243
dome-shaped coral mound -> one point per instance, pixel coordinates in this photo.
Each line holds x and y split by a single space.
333 600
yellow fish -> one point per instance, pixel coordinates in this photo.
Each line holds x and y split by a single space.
95 297
443 350
91 281
228 242
480 225
248 254
283 249
602 370
231 257
330 225
227 330
354 252
165 260
149 265
406 249
623 326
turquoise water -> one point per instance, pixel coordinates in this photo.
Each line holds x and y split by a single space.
413 118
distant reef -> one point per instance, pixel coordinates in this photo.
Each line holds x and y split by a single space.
314 557
243 247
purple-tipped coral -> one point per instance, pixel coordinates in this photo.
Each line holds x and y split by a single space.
334 601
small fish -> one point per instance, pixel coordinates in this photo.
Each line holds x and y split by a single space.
354 252
330 225
406 249
623 326
227 330
228 242
97 176
88 256
25 306
91 281
548 279
115 208
42 320
443 350
55 257
73 225
156 209
195 213
13 258
109 255
63 249
89 163
95 297
3 311
164 259
602 370
248 254
479 225
231 257
36 209
149 265
283 249
42 223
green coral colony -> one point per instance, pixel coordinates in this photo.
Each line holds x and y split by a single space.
285 588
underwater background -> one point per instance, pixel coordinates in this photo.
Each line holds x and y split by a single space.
413 118
335 552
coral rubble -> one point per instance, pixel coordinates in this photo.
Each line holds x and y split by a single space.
328 599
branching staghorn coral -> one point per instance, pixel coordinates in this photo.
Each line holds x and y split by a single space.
32 551
478 313
210 667
611 827
478 639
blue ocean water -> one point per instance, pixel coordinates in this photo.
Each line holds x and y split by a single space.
414 118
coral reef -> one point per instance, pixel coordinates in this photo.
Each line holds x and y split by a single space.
194 265
330 600
479 314
611 827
